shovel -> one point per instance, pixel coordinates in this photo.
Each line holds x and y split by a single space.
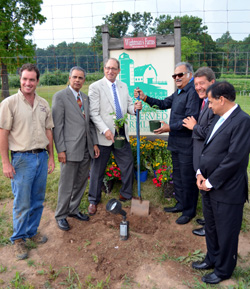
138 206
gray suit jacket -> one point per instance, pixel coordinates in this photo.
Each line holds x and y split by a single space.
102 104
72 131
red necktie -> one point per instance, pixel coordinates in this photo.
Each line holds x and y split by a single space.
203 104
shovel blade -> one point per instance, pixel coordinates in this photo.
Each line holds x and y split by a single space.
139 207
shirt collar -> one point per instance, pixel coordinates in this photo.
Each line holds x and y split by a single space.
180 89
23 97
110 83
229 112
74 92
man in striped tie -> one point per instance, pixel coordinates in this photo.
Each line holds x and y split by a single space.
76 143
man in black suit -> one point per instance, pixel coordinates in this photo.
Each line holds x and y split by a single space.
222 177
183 102
203 78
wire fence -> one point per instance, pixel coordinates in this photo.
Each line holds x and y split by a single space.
64 40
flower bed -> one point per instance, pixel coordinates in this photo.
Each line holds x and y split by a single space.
154 157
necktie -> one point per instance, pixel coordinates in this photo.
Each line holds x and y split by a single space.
117 105
203 104
79 101
217 125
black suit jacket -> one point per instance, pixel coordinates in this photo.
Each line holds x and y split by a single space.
200 131
182 105
224 159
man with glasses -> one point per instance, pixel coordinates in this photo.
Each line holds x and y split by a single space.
184 102
108 96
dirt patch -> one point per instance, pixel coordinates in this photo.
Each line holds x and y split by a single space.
92 252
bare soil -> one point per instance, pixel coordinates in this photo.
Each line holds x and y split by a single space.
146 260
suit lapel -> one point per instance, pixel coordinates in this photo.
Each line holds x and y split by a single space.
85 104
107 92
211 129
202 113
73 101
223 126
121 98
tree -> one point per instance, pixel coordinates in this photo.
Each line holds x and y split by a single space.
231 47
189 47
17 20
119 24
163 25
192 31
191 26
140 22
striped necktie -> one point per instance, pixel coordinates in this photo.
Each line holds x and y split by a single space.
117 105
79 101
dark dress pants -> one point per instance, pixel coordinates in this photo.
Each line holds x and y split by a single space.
124 159
223 223
186 191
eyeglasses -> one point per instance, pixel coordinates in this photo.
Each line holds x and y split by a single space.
179 74
111 68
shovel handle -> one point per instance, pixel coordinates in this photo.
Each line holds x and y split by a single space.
138 149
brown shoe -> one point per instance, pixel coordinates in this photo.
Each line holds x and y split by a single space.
92 209
20 249
39 239
123 199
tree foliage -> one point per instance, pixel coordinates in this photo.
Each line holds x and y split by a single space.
140 23
189 47
119 24
191 26
17 20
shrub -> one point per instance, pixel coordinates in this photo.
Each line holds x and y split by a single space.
54 78
14 81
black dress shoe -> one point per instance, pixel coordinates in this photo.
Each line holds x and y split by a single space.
63 224
211 278
201 266
182 220
79 216
172 209
199 232
200 222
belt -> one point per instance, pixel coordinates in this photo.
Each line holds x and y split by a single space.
36 151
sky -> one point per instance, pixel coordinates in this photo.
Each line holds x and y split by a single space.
75 20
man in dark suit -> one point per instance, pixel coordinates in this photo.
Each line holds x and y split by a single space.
76 143
222 177
107 96
203 78
183 103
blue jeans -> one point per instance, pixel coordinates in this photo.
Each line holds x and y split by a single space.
28 187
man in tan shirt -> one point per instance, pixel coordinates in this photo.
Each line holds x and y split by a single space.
25 130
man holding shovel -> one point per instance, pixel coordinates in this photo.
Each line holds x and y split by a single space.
184 102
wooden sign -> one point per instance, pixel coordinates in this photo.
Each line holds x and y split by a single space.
139 42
